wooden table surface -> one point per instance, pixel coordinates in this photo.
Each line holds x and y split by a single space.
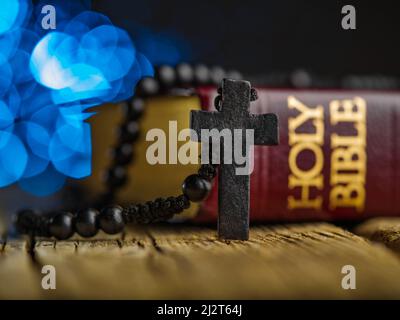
157 262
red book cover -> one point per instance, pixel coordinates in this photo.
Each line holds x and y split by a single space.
337 158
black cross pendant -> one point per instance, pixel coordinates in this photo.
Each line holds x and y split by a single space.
234 189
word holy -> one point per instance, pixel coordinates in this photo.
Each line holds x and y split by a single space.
232 147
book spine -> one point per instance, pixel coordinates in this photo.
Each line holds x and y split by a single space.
337 159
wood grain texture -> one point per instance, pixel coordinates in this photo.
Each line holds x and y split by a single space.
293 261
383 230
19 274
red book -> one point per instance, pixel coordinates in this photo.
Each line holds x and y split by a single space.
337 158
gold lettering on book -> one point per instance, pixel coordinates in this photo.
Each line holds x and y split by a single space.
300 142
348 158
348 165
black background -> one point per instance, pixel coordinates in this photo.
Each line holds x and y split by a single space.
259 37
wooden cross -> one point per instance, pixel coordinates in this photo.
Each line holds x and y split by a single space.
234 189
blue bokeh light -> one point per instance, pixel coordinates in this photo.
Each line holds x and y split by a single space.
8 14
48 81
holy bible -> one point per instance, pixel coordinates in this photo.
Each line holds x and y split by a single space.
338 157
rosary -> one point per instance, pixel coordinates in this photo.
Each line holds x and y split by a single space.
232 105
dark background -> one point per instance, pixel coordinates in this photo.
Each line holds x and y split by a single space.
260 37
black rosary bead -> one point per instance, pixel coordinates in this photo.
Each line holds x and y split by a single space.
130 132
130 213
144 208
184 74
196 188
123 154
208 171
42 227
165 205
217 74
253 94
111 219
116 177
61 225
176 206
301 79
134 108
201 75
156 205
155 210
148 87
86 222
135 214
26 221
166 75
234 75
218 103
171 203
183 202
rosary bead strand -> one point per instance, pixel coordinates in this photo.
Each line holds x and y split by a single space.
112 218
166 78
